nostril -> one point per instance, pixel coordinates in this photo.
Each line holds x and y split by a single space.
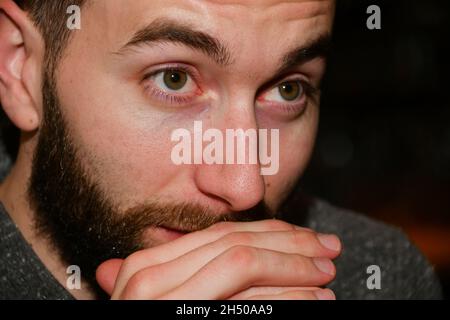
239 186
217 198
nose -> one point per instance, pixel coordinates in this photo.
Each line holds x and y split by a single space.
240 185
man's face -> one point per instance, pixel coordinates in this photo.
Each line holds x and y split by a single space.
235 65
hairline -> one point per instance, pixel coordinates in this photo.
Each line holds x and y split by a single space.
54 44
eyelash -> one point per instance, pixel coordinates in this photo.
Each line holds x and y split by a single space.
184 99
172 98
290 109
168 97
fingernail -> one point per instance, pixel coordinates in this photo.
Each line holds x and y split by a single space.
325 265
329 241
325 294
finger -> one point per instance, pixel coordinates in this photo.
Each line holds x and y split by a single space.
322 294
267 291
171 250
181 269
242 267
106 274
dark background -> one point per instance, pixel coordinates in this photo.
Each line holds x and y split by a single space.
384 139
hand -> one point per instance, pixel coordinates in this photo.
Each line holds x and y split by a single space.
268 259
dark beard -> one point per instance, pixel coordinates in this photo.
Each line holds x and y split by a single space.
76 215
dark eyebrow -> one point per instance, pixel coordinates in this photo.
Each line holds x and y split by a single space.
319 47
166 30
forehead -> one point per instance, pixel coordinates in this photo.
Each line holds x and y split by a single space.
301 8
115 21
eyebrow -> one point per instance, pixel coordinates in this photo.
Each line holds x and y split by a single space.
317 48
165 30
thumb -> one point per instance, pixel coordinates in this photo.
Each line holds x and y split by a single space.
107 274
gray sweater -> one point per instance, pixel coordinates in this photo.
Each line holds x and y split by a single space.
405 273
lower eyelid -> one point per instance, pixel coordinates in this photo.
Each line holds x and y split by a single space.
294 109
290 108
169 98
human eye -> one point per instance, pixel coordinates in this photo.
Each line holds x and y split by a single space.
172 85
288 97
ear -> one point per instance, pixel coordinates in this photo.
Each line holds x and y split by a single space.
21 58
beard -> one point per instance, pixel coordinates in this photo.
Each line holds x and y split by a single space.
83 224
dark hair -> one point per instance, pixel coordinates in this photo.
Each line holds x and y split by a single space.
50 17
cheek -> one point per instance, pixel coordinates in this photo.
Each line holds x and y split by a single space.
123 145
128 156
136 166
131 165
296 146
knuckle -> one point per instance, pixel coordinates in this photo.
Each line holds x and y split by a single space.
304 268
134 262
241 258
136 287
128 264
302 238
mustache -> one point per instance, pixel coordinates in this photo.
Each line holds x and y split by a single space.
188 217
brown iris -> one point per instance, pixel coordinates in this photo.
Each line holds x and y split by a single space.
290 90
175 79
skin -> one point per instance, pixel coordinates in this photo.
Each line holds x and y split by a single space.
123 134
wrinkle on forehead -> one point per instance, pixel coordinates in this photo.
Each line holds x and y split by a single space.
261 3
109 24
298 8
130 16
267 16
